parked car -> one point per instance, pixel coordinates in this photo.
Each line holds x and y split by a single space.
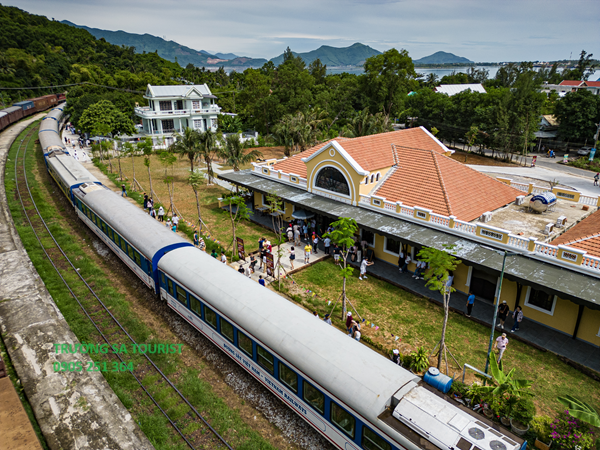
584 151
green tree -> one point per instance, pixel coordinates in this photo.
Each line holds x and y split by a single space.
168 160
238 211
233 152
208 143
388 78
130 150
441 262
344 230
104 115
187 146
147 148
584 68
578 113
318 70
196 180
230 124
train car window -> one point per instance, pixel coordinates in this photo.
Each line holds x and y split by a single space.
227 330
210 317
288 377
181 295
313 397
137 258
130 251
148 267
195 305
245 344
163 281
342 419
169 286
371 441
265 359
124 245
111 234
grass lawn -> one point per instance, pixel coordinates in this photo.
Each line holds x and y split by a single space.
418 322
217 219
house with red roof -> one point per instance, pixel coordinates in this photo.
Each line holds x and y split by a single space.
567 86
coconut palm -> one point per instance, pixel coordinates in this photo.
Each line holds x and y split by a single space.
195 180
233 152
208 143
187 145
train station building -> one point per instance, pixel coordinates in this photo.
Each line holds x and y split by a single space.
405 191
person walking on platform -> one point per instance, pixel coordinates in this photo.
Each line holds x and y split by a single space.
503 311
518 316
470 303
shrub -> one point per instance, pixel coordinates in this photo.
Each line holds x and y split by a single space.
419 360
541 426
570 433
523 411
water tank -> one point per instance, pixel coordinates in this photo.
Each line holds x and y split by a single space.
438 380
541 202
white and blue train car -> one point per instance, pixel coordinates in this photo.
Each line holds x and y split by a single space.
138 240
68 173
49 134
353 396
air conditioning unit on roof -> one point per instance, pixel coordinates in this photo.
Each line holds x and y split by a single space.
486 217
520 200
561 221
549 228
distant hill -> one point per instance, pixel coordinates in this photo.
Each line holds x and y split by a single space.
170 50
227 56
355 55
443 58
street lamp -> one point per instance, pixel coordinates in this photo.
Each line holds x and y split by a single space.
487 361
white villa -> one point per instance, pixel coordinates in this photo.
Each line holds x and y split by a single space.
172 109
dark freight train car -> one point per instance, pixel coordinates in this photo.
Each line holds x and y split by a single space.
14 113
45 102
27 106
3 120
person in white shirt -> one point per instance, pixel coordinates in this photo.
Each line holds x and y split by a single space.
501 344
363 268
223 258
175 220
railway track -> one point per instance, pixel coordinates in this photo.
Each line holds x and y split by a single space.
186 421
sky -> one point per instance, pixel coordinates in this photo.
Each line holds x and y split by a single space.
480 30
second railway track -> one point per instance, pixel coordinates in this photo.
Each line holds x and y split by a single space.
187 423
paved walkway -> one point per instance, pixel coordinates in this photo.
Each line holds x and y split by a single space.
530 332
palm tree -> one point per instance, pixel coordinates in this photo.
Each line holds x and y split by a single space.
187 145
432 80
208 142
233 152
195 180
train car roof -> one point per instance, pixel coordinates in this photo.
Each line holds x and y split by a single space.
69 170
53 114
148 235
11 109
3 113
50 138
365 380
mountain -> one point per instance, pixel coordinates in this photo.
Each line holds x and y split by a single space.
227 56
443 58
355 55
170 50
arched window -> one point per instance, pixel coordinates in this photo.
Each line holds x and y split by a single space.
332 179
367 180
372 177
377 177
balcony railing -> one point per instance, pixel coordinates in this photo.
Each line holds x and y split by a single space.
147 112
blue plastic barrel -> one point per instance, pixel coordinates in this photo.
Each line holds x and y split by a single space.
438 380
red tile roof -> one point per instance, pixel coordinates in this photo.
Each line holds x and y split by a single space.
592 83
431 180
370 152
570 83
585 235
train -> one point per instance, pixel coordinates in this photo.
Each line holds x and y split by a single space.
26 108
353 396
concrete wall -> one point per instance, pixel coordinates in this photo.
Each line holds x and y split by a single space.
74 410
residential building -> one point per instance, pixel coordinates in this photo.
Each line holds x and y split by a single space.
453 89
567 86
405 192
173 108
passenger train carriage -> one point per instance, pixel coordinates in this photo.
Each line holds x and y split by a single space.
353 396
